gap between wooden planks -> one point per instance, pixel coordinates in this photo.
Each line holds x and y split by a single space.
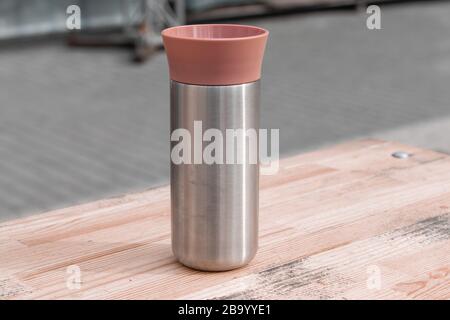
328 220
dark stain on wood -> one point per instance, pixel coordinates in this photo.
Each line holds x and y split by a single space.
280 281
427 231
326 282
10 288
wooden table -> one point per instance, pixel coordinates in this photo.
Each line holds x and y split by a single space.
348 222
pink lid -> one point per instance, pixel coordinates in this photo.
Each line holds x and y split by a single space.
215 54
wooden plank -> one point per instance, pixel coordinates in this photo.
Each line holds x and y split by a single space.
327 220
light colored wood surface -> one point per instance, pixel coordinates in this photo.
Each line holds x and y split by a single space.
331 222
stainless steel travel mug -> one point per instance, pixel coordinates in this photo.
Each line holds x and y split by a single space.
215 95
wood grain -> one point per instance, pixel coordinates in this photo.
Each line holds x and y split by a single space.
330 221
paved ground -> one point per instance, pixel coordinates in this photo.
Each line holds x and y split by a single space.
81 124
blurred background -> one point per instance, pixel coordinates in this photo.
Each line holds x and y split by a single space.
84 114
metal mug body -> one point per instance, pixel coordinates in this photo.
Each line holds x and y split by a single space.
215 206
